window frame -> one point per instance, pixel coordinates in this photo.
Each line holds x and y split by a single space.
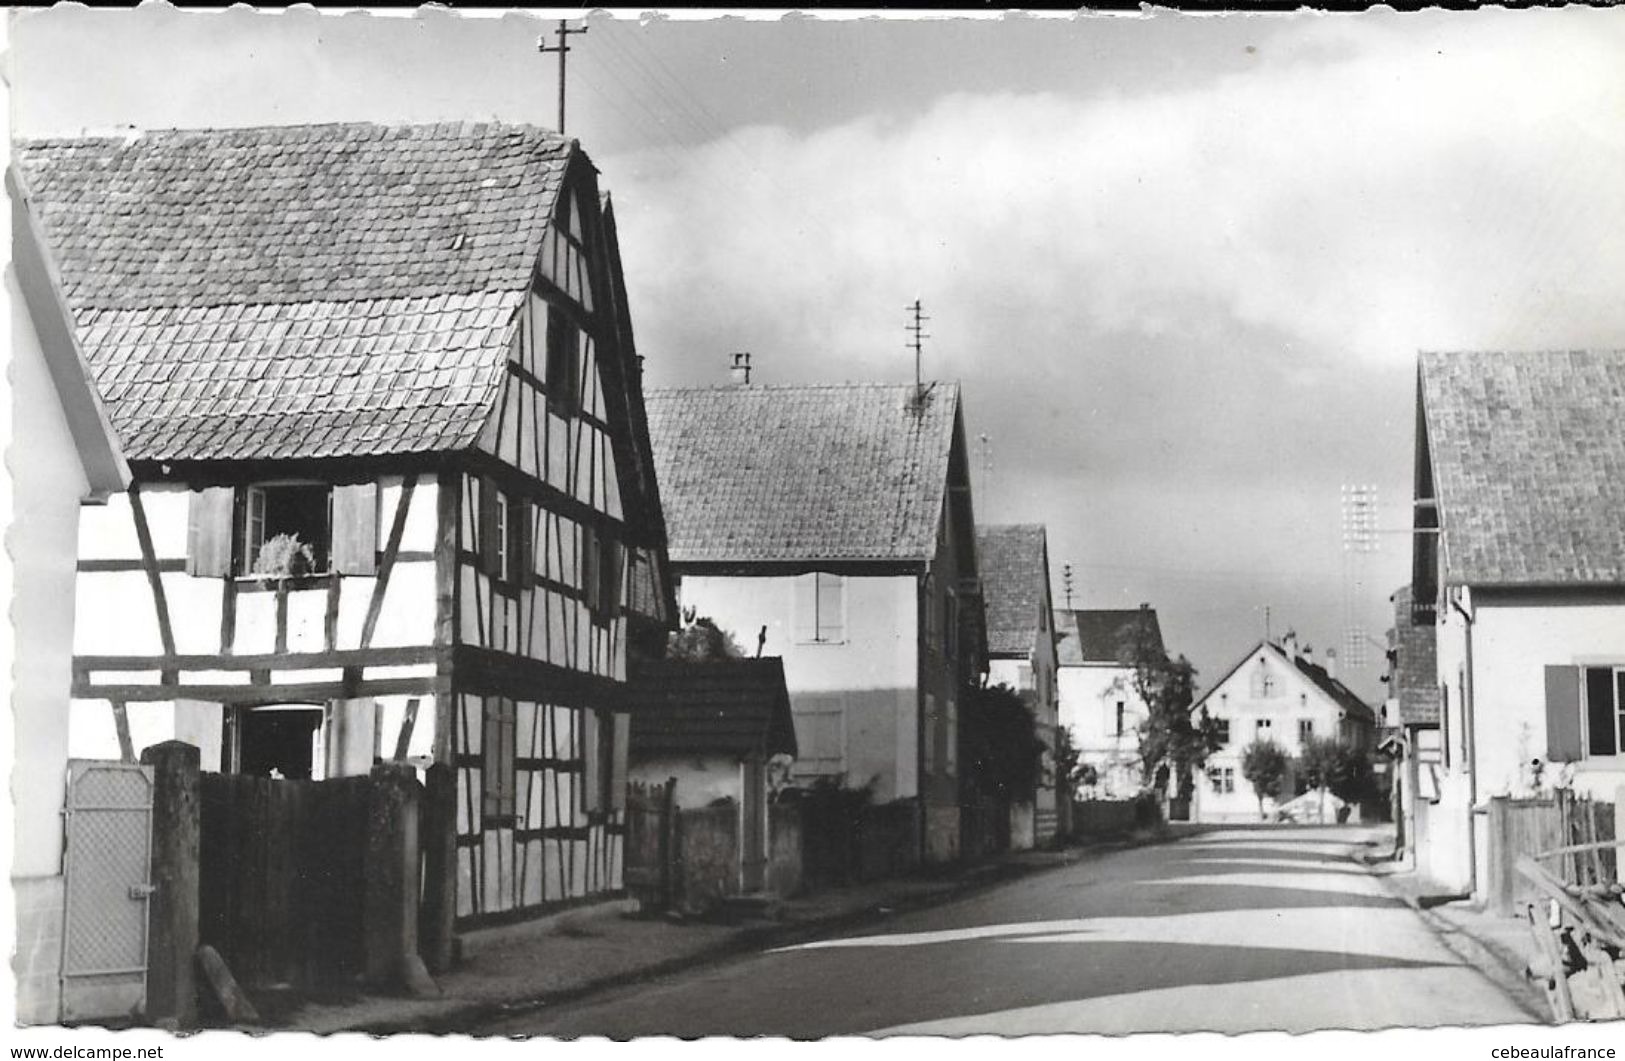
245 549
561 362
1616 689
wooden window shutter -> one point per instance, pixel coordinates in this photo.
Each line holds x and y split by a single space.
521 543
1563 714
486 532
208 532
592 759
355 529
617 777
805 622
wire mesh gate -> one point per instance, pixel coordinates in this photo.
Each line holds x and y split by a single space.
106 874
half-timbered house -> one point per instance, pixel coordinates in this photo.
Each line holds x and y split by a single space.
393 488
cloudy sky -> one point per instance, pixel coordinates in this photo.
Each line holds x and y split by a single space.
1181 265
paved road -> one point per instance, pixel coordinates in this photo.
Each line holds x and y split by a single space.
1235 931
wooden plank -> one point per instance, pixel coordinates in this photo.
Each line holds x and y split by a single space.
258 693
404 741
228 616
330 621
392 549
149 561
370 657
121 725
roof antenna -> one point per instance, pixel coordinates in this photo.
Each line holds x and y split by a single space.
916 328
1266 622
563 49
1066 582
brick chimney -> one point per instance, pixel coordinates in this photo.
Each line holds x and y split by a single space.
1331 663
740 370
1289 644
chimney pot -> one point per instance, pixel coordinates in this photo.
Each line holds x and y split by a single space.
740 369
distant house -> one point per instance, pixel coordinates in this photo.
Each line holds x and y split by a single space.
1519 564
831 525
712 727
393 489
1275 693
72 458
1100 703
1014 562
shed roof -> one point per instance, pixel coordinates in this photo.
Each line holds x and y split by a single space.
1096 635
298 291
853 471
1528 455
1013 561
736 707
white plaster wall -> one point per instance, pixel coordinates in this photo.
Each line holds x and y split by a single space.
701 780
876 665
1088 708
1512 646
47 483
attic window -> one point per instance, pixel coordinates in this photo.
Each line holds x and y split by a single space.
563 364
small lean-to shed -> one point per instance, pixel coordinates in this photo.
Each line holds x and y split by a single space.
713 726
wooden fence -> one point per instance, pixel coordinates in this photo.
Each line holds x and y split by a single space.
308 882
1519 827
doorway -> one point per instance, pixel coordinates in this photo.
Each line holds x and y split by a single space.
275 740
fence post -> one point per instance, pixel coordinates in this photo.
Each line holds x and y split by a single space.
390 910
670 845
1499 858
172 934
438 836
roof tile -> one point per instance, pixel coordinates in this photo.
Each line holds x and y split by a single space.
1013 561
1528 453
852 471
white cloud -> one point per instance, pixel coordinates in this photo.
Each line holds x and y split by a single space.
1366 191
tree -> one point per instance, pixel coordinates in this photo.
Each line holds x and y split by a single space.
1264 766
1329 764
999 741
1174 742
702 641
1315 766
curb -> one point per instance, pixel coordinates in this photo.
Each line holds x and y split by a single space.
1502 967
464 1019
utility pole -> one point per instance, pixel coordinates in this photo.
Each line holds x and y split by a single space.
563 50
916 328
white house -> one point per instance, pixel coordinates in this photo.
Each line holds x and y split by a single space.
1099 702
1519 562
831 525
1014 561
1275 693
392 492
64 454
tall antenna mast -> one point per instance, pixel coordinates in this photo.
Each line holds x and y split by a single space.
1066 583
563 49
916 328
1266 622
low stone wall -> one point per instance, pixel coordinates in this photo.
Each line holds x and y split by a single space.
38 958
1112 817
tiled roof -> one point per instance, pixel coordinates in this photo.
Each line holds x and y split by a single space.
1339 693
1416 671
1014 566
1098 635
300 291
797 473
734 707
1528 453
